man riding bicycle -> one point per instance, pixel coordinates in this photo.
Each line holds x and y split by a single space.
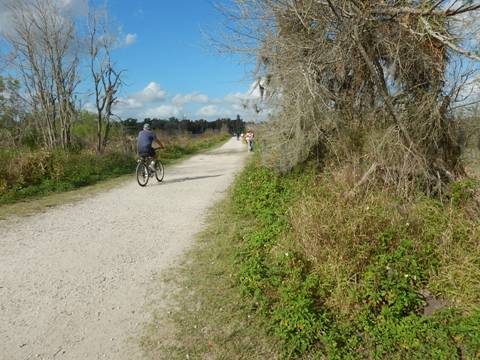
146 137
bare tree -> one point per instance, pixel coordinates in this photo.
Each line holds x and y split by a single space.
369 82
107 79
46 54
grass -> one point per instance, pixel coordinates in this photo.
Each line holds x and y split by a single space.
34 205
207 316
29 174
325 276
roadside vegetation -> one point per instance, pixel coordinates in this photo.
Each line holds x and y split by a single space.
354 232
205 315
291 268
368 276
33 171
29 173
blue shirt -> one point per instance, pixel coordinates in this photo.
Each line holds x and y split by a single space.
145 140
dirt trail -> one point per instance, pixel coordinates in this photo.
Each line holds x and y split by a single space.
74 280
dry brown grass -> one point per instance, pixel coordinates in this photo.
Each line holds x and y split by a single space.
341 236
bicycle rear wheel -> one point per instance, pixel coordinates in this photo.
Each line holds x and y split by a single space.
142 174
159 170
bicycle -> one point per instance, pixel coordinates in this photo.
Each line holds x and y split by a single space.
144 172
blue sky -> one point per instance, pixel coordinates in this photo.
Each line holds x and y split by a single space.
172 69
170 49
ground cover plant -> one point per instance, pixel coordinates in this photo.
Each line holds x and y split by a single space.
290 267
370 276
365 234
206 316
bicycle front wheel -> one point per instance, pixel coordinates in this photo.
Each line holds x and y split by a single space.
159 170
142 174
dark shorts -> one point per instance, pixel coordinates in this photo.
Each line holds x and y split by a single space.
147 152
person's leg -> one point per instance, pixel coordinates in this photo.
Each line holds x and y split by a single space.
153 157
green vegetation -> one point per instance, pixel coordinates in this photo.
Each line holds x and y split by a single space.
326 275
26 173
352 277
211 319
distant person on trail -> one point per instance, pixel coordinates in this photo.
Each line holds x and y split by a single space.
249 136
146 137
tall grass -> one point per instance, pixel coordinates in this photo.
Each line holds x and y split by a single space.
26 173
360 277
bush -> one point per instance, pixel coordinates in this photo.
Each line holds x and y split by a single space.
347 277
33 173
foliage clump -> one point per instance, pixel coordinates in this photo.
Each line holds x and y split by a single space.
368 276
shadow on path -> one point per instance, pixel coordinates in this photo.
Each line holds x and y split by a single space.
189 179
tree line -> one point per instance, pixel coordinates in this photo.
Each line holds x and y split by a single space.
174 125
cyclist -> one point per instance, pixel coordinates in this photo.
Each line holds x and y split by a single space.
146 137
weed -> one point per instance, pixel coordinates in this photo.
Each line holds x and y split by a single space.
210 318
351 285
332 277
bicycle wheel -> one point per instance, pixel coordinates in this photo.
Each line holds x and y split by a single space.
142 174
159 170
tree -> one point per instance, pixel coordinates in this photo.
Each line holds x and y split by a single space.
46 55
367 82
10 111
107 79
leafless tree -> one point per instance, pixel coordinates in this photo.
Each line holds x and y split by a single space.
365 81
107 79
46 55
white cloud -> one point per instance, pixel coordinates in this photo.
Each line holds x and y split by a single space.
90 107
151 92
253 94
127 106
154 102
209 110
162 111
130 103
130 39
147 98
182 99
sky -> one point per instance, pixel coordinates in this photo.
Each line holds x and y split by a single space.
171 68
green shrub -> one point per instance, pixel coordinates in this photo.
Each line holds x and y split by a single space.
342 277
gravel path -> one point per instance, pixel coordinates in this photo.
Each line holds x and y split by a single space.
74 280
